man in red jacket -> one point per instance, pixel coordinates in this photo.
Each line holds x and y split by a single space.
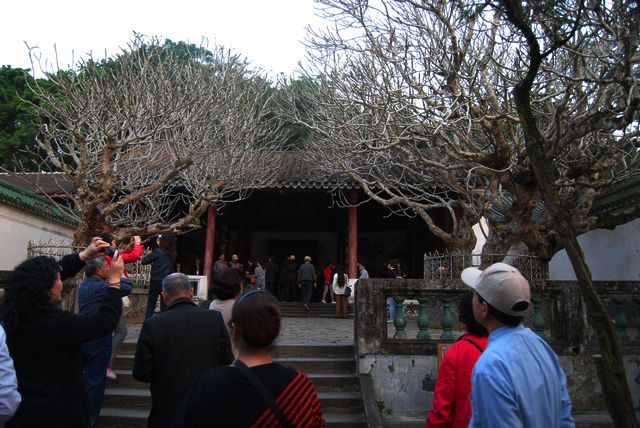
451 404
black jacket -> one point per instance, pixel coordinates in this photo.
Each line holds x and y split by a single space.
271 275
163 263
290 271
71 265
174 348
48 360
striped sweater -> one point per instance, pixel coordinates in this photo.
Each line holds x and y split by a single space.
224 397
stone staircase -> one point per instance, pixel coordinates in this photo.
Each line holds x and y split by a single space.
318 310
331 368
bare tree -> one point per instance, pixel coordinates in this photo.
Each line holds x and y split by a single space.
421 93
524 112
153 136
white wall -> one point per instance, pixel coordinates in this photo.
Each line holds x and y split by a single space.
18 227
612 255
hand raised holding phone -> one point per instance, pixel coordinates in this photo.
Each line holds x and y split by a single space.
116 268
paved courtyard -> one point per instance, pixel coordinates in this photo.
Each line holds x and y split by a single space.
299 331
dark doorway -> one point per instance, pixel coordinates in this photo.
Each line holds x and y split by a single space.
280 249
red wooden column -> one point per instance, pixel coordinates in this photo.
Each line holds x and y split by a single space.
352 269
209 247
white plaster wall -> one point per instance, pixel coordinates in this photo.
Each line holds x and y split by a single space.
18 227
402 383
612 255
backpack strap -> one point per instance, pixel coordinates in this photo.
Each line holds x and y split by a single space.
466 339
262 390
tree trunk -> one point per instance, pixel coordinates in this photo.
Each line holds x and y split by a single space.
612 375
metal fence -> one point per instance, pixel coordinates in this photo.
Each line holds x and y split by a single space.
138 274
50 248
449 264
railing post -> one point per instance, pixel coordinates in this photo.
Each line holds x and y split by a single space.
400 321
637 303
423 320
538 318
621 319
447 321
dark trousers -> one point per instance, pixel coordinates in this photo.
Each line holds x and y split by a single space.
271 288
97 354
155 288
288 293
307 291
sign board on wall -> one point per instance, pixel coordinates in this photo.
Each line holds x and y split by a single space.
442 350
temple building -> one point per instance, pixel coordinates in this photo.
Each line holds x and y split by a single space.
309 214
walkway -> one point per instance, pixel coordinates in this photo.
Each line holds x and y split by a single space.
297 331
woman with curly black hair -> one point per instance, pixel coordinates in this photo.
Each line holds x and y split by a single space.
44 341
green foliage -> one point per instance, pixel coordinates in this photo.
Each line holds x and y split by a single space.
18 119
297 98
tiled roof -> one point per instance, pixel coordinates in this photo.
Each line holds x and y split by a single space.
42 183
19 197
622 199
295 172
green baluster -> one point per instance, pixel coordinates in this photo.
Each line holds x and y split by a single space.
621 319
538 318
447 321
400 321
423 320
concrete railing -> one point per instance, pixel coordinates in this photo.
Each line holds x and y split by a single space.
402 356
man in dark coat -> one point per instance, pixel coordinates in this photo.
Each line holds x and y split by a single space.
289 279
271 276
176 346
307 281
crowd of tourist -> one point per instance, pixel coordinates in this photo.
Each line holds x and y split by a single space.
54 363
217 364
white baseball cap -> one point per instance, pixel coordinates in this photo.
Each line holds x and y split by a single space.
502 286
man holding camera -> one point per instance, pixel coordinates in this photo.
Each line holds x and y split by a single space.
97 353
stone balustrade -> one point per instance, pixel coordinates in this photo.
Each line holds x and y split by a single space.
401 355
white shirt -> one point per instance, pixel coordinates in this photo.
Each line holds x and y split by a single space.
334 286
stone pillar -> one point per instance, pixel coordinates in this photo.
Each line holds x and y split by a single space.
352 269
209 247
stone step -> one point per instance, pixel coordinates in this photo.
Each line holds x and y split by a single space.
317 310
284 350
331 367
343 365
136 398
321 381
330 350
136 418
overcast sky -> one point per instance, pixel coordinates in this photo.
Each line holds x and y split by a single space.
267 32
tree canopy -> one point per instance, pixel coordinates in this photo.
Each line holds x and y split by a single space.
523 112
416 104
153 136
